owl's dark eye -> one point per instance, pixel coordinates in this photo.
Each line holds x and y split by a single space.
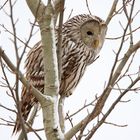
89 33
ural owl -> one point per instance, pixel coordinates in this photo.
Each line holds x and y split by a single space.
82 39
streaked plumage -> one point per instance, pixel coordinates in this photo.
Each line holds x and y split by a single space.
82 39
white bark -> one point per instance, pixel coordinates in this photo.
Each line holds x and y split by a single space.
49 104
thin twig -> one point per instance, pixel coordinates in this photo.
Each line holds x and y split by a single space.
88 7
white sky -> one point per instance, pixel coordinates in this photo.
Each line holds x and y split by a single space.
95 77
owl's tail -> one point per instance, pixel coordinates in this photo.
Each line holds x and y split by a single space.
27 102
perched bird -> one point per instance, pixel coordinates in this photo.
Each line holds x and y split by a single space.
82 39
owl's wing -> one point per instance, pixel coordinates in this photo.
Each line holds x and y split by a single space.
35 75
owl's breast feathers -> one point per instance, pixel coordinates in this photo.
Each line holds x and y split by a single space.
76 58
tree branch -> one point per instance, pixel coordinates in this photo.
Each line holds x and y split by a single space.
113 9
46 18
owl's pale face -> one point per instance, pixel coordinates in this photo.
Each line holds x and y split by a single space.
86 30
93 33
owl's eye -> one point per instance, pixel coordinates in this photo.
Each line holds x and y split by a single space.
89 33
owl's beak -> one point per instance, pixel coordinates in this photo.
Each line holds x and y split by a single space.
95 43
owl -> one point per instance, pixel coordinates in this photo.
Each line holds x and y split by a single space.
82 39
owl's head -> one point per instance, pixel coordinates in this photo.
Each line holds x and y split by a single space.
86 29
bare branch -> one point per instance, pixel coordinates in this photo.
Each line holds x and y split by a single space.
88 7
9 109
1 7
113 9
94 129
7 122
82 108
117 125
119 37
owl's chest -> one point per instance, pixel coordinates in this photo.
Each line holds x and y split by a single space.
75 55
73 62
